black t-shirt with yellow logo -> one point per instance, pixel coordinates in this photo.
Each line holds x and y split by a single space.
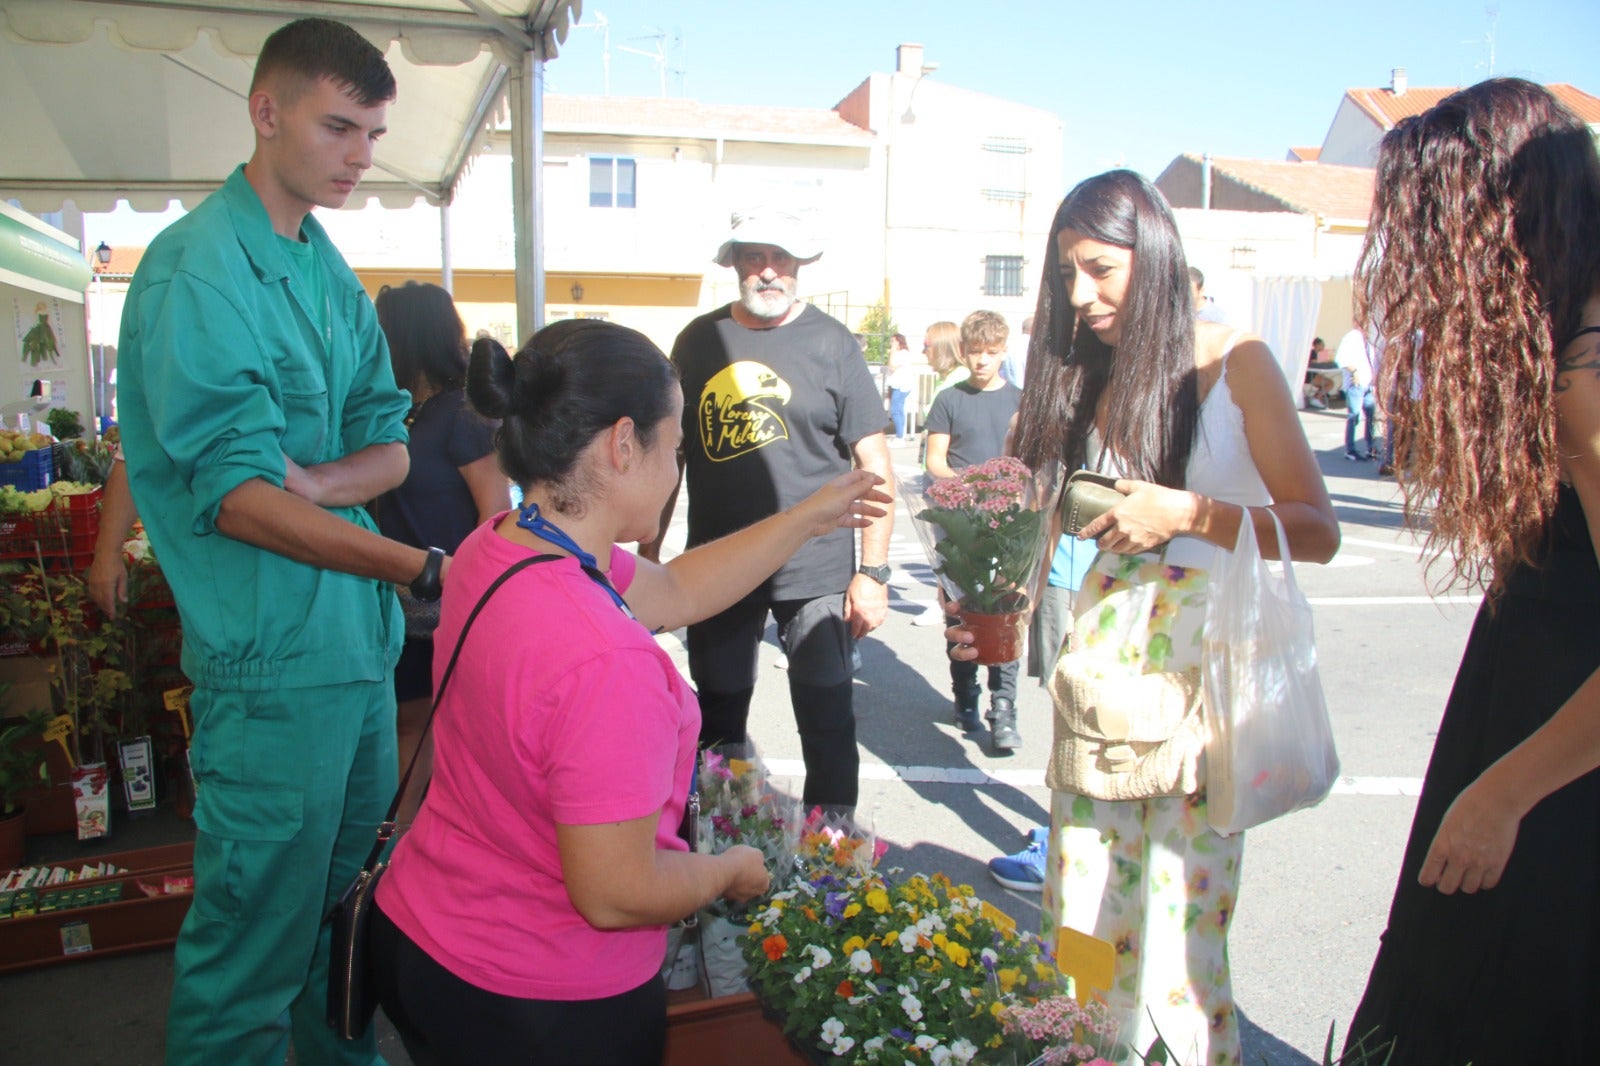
769 416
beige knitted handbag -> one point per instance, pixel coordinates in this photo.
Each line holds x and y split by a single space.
1125 736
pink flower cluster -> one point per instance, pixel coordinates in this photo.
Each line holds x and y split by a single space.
1077 1033
990 486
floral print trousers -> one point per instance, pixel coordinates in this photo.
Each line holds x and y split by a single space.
1150 875
1153 879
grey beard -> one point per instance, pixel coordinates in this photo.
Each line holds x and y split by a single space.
754 302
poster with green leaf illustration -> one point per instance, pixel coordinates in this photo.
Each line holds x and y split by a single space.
40 327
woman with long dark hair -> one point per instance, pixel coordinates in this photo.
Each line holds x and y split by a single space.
454 482
524 915
1196 422
1481 276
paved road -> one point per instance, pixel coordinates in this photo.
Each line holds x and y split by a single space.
1316 885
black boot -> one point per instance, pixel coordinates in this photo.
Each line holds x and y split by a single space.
1003 721
967 709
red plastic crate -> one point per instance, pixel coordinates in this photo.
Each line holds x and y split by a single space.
63 533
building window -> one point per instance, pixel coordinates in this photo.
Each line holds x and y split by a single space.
611 181
1005 169
1002 275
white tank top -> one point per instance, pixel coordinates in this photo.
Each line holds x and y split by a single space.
1219 466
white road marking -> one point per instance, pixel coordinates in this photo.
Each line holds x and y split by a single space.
968 775
1392 601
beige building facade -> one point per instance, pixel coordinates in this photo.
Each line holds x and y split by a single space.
931 197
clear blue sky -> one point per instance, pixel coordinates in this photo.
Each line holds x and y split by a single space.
1136 82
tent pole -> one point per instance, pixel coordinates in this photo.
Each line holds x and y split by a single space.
527 190
446 274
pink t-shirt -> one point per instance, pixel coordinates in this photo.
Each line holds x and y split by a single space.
561 709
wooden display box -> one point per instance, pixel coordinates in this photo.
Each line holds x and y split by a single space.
728 1031
134 922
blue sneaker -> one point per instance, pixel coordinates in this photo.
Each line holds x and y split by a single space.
1024 871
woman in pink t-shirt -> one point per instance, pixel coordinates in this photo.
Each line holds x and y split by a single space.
524 915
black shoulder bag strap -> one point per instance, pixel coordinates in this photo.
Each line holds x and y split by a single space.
387 828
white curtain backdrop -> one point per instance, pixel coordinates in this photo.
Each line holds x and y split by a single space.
1286 318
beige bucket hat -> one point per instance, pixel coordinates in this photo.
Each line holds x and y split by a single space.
769 226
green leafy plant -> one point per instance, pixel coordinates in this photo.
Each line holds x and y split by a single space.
877 325
984 532
21 766
64 424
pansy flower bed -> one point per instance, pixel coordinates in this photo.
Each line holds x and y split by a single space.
864 967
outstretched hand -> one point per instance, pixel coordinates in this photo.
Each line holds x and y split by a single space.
1473 844
850 501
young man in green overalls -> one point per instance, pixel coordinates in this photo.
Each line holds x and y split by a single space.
259 413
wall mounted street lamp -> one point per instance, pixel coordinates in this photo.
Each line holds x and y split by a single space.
102 255
910 116
577 292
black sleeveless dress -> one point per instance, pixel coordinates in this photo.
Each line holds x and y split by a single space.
1511 975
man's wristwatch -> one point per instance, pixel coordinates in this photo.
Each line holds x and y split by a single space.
428 587
880 574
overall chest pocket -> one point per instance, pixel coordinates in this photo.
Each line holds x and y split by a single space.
305 414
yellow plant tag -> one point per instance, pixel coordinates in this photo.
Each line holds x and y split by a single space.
177 701
58 730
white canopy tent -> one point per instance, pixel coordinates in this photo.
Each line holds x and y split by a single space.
143 100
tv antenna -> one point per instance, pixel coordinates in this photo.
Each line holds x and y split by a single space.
658 55
600 23
1492 12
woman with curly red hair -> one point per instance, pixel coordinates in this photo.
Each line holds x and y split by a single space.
1481 277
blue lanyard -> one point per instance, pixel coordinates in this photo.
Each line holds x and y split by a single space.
529 518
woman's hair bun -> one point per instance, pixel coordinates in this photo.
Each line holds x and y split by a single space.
491 378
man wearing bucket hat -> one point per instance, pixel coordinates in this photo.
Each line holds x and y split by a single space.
778 400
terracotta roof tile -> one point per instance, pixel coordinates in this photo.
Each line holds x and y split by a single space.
1306 188
1387 109
567 114
123 262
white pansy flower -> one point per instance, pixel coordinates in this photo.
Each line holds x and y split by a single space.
845 1043
925 1041
832 1029
820 956
964 1051
861 960
913 1008
908 939
940 1056
803 976
873 1044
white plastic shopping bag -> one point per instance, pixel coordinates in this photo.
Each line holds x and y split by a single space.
1271 745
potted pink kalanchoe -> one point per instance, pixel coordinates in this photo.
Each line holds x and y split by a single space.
984 531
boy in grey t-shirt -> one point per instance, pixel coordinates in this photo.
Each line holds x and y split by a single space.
967 425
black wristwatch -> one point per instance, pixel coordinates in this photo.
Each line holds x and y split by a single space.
427 587
880 574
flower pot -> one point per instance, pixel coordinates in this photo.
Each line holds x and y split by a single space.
998 638
724 962
13 839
